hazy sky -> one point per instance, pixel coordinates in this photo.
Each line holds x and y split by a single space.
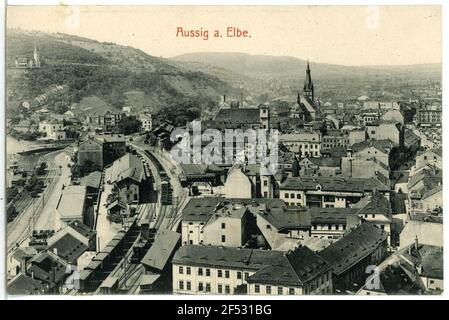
345 35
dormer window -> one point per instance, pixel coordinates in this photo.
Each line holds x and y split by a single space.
319 187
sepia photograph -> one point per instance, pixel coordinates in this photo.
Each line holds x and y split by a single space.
209 150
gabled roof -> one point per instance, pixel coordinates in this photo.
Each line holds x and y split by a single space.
92 180
128 166
346 216
161 250
284 219
353 247
333 184
373 204
292 268
69 248
71 202
244 116
82 229
382 145
22 284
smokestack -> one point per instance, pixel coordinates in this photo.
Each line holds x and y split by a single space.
416 243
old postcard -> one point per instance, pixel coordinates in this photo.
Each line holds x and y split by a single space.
223 150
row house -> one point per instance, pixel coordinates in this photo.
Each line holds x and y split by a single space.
328 191
228 270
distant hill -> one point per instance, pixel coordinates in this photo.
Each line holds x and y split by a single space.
105 71
284 67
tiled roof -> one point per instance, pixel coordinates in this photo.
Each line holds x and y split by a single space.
333 184
283 218
68 248
244 116
91 180
24 285
273 267
71 202
353 247
373 204
333 216
82 229
161 250
382 145
128 166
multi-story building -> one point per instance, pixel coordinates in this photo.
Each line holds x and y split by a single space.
227 226
101 149
332 223
227 270
53 129
386 131
334 139
128 175
146 122
304 144
328 191
350 256
105 118
428 115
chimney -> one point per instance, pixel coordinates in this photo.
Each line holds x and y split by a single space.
350 168
55 251
416 243
224 98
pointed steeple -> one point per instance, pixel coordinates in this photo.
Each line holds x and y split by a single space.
308 84
298 98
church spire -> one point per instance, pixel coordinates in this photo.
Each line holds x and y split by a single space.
308 84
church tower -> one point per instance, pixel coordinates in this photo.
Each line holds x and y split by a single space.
37 62
308 84
264 114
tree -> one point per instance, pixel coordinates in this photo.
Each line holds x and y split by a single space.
41 169
129 125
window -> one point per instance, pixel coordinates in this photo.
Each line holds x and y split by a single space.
239 275
207 287
268 289
181 270
373 215
227 274
337 227
200 286
298 196
268 227
223 238
329 227
220 288
291 290
292 195
246 275
188 270
223 225
181 285
227 289
265 183
189 286
256 288
280 291
200 271
286 195
220 273
207 272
